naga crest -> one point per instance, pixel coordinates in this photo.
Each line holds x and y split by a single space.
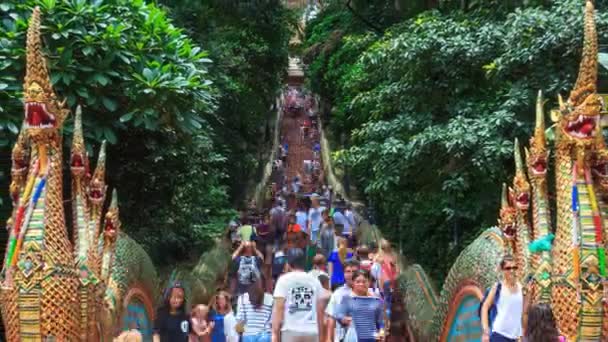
111 222
579 116
521 188
97 187
79 161
507 216
538 155
44 114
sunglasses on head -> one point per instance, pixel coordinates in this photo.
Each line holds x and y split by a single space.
510 268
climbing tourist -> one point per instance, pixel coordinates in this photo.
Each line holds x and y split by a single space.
201 327
319 265
297 315
335 330
541 325
343 226
278 222
295 237
327 236
254 310
296 184
172 322
336 261
301 216
314 217
362 310
246 231
363 257
278 263
223 319
248 262
507 325
388 266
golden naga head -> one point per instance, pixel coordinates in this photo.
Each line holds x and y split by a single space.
538 155
19 167
112 222
79 162
97 186
507 216
521 188
44 114
579 117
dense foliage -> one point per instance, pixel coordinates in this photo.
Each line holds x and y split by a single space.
431 107
247 41
151 89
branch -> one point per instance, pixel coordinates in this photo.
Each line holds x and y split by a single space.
365 21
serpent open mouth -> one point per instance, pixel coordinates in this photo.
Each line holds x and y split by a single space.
583 127
96 193
37 116
539 167
509 231
77 163
523 201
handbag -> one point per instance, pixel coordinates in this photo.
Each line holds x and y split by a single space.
351 333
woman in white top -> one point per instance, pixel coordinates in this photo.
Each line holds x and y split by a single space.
254 311
507 325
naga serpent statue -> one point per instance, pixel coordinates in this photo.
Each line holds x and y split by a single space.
561 262
51 287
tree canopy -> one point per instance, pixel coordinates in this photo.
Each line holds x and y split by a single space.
430 107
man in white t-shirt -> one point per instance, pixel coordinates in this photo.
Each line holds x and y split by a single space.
298 313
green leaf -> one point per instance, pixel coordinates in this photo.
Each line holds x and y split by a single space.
11 126
110 104
126 117
101 79
109 135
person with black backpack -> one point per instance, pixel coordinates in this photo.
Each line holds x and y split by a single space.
248 262
501 310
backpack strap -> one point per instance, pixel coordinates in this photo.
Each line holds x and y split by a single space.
497 292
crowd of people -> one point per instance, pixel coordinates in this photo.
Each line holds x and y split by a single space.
298 271
316 300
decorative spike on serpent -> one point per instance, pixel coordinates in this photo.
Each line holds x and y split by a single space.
48 288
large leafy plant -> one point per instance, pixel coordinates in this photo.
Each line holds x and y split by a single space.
123 60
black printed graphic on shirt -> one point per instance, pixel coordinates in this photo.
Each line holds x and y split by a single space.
300 299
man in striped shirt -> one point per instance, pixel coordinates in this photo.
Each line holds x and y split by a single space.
337 298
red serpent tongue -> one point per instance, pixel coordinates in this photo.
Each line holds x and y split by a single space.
36 118
587 128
